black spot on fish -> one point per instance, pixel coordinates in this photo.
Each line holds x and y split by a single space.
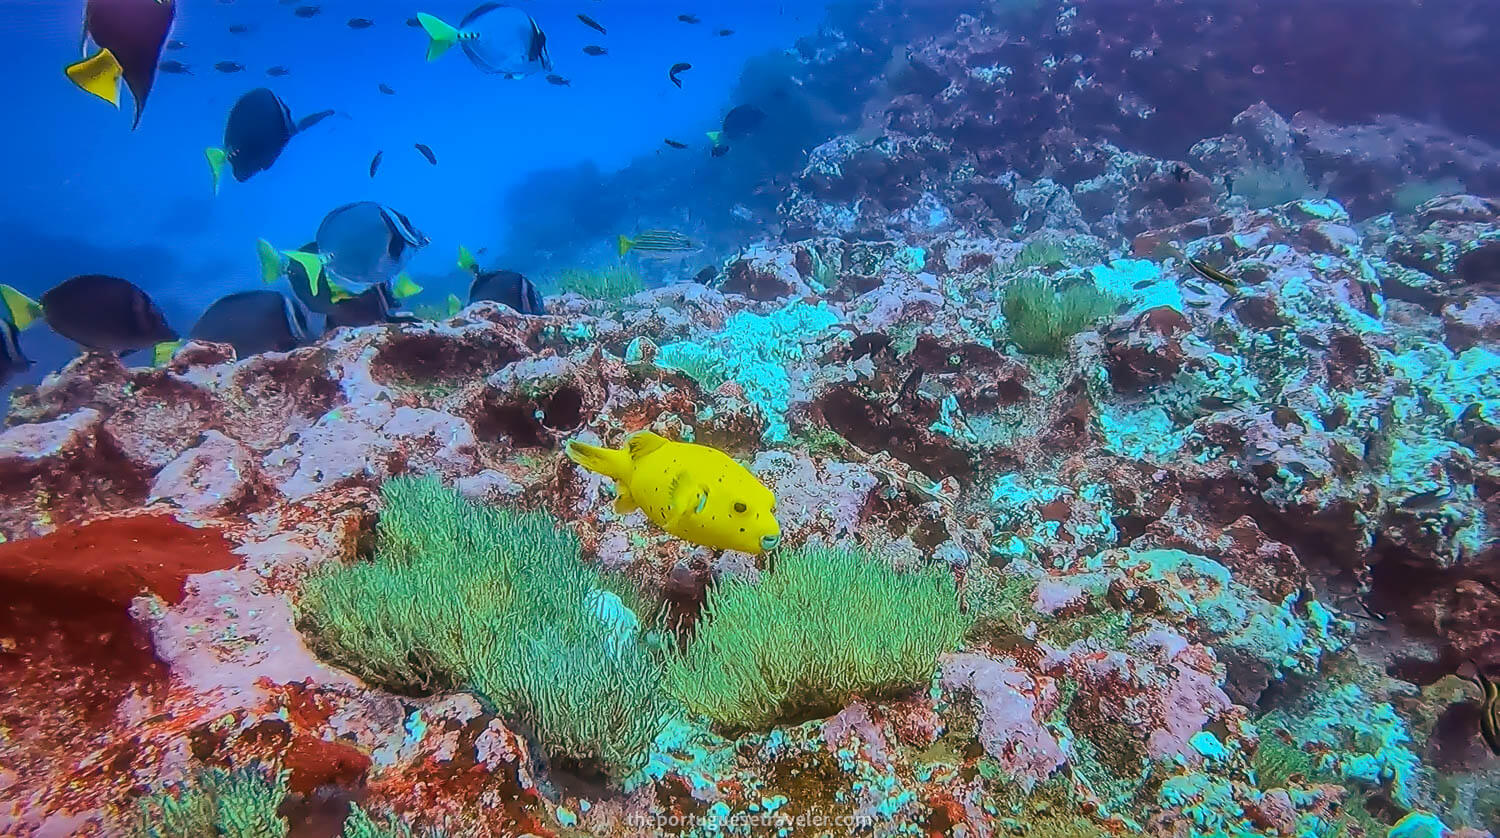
595 49
689 19
175 67
278 71
426 152
375 162
359 23
386 89
306 11
674 143
228 67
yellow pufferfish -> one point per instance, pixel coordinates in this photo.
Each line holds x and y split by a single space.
694 492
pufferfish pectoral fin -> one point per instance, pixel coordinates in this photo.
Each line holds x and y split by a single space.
688 498
624 503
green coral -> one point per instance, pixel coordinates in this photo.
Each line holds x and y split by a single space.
612 283
359 824
1040 318
1263 185
461 596
231 804
1040 253
825 625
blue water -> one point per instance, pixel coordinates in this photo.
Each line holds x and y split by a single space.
85 194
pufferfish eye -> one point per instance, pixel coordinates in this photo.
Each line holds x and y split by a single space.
739 507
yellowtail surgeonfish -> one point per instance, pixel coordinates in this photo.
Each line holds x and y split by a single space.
257 130
694 492
98 312
17 312
129 36
253 322
498 39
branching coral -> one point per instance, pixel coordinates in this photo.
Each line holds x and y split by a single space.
232 804
461 596
822 627
1040 318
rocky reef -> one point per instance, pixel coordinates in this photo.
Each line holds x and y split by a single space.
1219 554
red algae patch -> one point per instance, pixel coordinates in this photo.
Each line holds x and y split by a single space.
71 657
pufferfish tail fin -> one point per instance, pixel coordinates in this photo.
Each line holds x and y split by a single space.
609 462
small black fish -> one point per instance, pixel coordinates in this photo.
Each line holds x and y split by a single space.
706 276
375 162
689 18
306 11
175 44
679 67
426 152
386 89
1427 500
1198 303
278 71
1145 283
1213 274
1180 173
1228 183
1283 417
594 49
675 144
870 344
228 67
553 78
725 33
413 23
909 388
1215 403
1195 287
1489 708
239 28
718 151
177 67
592 24
1365 611
360 23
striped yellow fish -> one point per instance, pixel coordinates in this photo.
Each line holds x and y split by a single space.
658 243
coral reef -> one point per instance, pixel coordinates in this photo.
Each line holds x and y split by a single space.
1203 560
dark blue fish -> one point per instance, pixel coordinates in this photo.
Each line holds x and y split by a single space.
132 33
259 127
253 322
105 313
426 152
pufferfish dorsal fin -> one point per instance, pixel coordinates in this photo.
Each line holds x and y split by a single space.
642 443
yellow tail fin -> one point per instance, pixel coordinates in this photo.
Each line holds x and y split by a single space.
609 462
625 245
455 305
312 264
270 261
98 74
466 260
23 311
161 354
440 35
216 160
404 287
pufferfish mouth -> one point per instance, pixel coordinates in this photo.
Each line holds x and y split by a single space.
769 542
